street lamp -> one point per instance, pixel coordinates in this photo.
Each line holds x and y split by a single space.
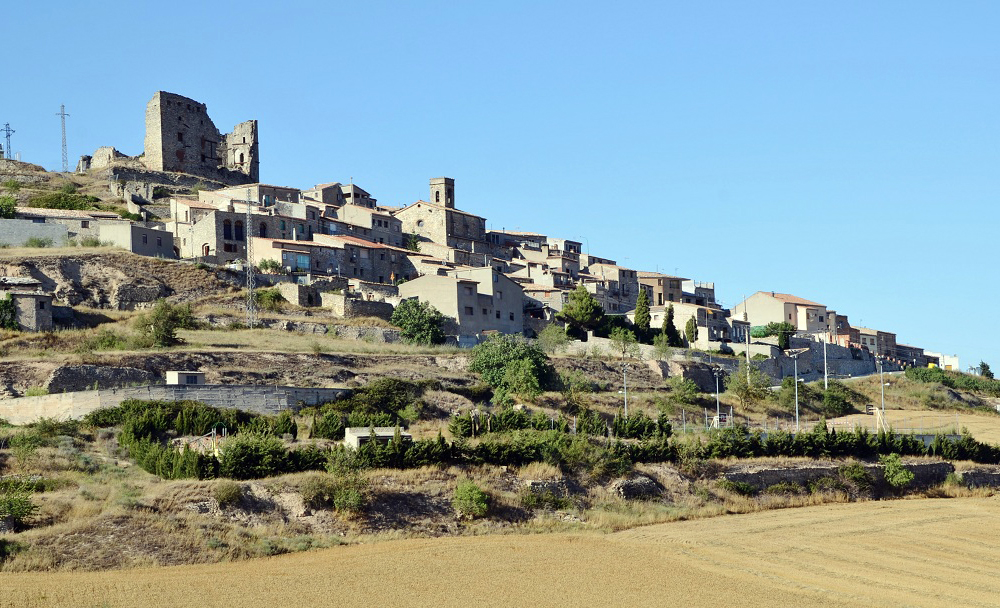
625 384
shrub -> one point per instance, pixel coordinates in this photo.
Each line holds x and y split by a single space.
553 339
786 488
11 185
269 299
512 365
8 314
38 242
857 474
227 492
319 491
68 188
544 500
8 207
895 472
161 324
737 487
92 241
36 391
16 504
269 266
251 456
63 200
10 548
419 321
470 500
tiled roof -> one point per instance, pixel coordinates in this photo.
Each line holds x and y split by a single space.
443 208
790 299
643 274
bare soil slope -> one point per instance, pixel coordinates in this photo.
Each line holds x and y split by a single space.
908 552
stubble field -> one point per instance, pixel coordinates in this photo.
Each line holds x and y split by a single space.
929 552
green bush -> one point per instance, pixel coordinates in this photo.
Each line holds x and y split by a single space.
16 504
786 488
68 188
269 266
269 299
895 472
512 365
419 322
11 185
857 474
161 324
470 500
250 456
737 487
8 207
553 339
36 391
227 492
63 200
39 242
548 500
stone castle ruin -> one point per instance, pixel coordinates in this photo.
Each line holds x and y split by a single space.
181 138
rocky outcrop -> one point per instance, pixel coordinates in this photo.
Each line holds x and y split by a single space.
70 378
637 487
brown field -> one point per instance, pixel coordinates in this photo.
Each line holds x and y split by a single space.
984 426
929 552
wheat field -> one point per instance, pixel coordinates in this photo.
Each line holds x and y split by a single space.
926 552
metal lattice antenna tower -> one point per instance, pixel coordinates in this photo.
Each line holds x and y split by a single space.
6 129
65 156
251 279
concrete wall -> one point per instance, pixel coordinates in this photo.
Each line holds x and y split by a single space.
16 232
139 239
252 398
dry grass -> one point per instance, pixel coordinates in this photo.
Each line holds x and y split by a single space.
284 341
914 552
984 426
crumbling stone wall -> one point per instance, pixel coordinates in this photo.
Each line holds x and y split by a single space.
181 137
348 306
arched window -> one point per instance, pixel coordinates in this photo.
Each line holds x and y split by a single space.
437 196
227 230
241 158
262 233
239 231
204 250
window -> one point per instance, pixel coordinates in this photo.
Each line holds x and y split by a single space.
499 295
144 238
468 310
227 230
821 318
180 136
262 232
240 236
159 241
85 224
486 312
41 305
511 316
282 224
190 379
228 247
381 279
437 196
498 314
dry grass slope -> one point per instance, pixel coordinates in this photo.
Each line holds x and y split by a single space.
908 552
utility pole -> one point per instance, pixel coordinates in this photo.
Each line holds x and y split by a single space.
8 131
251 279
65 156
826 385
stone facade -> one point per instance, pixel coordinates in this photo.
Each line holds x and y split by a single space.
139 239
348 306
180 137
474 300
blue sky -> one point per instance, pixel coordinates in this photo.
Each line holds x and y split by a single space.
845 152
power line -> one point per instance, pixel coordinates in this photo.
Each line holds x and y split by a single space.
65 156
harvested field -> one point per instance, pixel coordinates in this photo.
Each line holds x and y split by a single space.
907 552
984 426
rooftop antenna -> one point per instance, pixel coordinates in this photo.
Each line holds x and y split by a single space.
6 129
251 279
65 156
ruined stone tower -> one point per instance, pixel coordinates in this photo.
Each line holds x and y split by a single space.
443 191
181 137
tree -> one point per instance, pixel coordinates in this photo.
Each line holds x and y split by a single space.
419 321
662 349
269 266
783 330
749 384
512 366
625 343
670 330
162 323
691 331
553 338
984 370
413 242
582 311
642 317
8 207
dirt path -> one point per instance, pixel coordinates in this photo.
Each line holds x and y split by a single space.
908 552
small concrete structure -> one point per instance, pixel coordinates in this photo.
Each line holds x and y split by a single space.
355 436
33 307
175 377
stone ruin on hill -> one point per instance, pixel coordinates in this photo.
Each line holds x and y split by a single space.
181 138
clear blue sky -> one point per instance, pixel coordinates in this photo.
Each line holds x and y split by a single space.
845 152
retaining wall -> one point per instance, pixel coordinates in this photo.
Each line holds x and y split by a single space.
248 397
924 473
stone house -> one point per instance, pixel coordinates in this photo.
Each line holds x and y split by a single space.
33 307
264 195
877 342
700 293
367 223
79 224
766 307
475 300
438 221
616 287
335 255
664 288
713 324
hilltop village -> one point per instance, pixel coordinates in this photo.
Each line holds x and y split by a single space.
194 194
